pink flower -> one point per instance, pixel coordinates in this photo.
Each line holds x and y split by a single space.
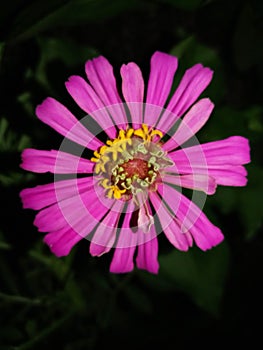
129 190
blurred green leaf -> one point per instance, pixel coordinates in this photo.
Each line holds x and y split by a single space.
60 267
44 333
26 102
138 298
9 140
3 244
185 4
41 15
189 52
12 178
227 121
66 51
11 143
255 122
248 39
18 299
244 200
29 14
31 328
199 274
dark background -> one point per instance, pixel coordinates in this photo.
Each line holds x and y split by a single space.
74 302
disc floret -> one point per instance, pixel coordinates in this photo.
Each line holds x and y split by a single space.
131 163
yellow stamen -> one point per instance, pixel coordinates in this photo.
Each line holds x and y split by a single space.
112 189
129 133
95 160
103 149
97 154
156 132
112 148
140 133
145 129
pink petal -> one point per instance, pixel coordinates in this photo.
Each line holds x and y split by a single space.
44 195
81 212
147 256
58 117
171 226
229 175
192 122
61 242
69 222
100 74
232 150
122 261
133 91
53 161
87 99
193 83
220 159
163 68
205 234
196 182
105 234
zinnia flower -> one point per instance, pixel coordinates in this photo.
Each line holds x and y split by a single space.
130 187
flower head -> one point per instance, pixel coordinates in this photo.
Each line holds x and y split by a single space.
130 188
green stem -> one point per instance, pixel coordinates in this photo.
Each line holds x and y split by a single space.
44 334
19 299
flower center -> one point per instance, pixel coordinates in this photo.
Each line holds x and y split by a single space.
136 168
131 163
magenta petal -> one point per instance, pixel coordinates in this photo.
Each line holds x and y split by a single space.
56 162
105 234
100 74
196 182
191 123
61 242
82 212
229 175
147 256
205 234
58 117
171 225
133 91
232 150
71 220
88 100
163 68
122 261
193 83
44 195
50 219
220 159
